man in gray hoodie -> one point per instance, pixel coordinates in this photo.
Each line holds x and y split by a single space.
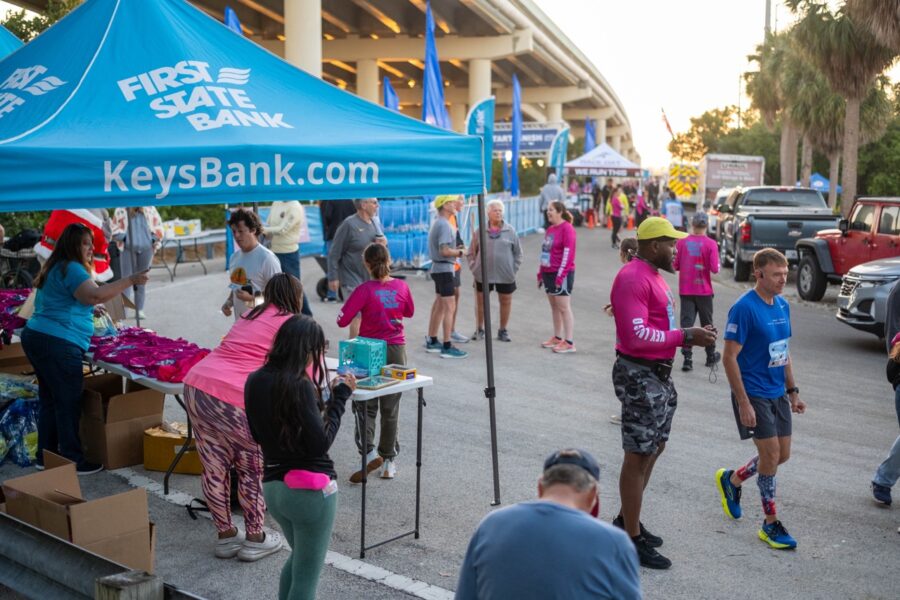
551 192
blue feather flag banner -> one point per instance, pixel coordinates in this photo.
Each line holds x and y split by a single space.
516 137
232 21
433 110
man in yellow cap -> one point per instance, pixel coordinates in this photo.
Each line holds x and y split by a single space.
442 246
647 337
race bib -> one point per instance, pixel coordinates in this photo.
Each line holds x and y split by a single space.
778 354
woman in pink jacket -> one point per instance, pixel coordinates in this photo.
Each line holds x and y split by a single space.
557 275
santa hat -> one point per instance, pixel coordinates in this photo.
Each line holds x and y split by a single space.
57 223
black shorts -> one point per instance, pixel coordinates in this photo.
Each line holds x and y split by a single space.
648 406
565 289
443 284
773 418
457 278
502 288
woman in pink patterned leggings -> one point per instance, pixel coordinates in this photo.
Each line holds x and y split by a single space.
214 394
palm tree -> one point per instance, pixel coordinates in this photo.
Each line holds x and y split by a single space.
880 17
850 58
766 96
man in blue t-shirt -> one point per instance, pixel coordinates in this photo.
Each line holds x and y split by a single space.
763 392
552 547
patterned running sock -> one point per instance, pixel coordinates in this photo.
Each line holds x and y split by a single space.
748 470
766 485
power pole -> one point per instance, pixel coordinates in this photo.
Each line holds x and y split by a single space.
768 17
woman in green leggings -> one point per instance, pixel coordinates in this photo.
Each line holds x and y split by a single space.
295 429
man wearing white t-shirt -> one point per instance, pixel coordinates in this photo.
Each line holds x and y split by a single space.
673 211
251 266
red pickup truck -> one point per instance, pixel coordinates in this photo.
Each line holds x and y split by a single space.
871 232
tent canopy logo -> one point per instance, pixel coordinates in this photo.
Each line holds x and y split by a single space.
25 80
207 99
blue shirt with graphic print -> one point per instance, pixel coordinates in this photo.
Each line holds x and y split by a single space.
763 331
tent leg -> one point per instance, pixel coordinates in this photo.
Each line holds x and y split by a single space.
490 392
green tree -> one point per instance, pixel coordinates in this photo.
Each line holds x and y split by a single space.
703 134
27 27
850 58
880 17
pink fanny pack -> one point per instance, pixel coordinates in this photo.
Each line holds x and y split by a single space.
299 479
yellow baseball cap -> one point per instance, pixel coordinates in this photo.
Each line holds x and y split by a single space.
442 200
656 227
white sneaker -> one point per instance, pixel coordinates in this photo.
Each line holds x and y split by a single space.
458 338
390 469
229 547
252 551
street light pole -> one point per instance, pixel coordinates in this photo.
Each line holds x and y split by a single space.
768 17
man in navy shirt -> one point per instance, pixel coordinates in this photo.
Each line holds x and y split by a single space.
552 547
763 392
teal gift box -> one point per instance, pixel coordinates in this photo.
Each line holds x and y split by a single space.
361 354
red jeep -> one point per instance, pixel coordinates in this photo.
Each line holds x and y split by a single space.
871 232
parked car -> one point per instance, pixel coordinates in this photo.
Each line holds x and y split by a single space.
872 232
862 302
760 217
712 211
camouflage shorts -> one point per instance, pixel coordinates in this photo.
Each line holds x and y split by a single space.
648 406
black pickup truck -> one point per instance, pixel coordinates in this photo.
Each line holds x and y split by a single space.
754 218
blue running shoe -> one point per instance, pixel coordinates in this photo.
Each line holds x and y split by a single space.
775 535
433 347
453 352
730 493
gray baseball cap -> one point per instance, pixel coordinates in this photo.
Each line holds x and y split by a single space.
700 219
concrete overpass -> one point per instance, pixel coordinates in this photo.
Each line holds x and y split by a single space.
481 43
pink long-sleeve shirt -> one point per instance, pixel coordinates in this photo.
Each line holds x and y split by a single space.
645 313
383 306
696 257
558 250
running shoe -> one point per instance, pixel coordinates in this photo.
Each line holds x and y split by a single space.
458 338
390 469
373 464
551 343
253 551
230 546
654 541
453 352
478 335
648 555
687 365
729 493
88 468
564 347
503 335
881 493
713 360
775 535
433 346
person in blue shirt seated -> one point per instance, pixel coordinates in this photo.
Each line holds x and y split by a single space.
59 333
553 547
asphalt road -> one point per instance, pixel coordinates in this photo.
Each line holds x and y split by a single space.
848 547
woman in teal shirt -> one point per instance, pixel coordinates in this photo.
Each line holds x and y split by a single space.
59 333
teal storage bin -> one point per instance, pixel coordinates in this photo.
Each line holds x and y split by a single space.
362 354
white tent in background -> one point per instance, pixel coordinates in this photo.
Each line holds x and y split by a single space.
603 161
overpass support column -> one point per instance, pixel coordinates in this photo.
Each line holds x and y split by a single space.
600 131
303 35
479 80
367 79
458 116
616 142
554 111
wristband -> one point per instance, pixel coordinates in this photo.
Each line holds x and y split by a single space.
688 336
792 390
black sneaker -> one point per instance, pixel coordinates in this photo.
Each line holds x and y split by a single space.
648 555
881 493
88 468
503 335
687 365
713 360
654 541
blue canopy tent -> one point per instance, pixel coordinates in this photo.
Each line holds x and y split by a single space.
133 103
819 182
8 42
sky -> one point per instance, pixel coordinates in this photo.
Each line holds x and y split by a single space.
684 57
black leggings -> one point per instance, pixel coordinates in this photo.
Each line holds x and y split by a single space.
616 226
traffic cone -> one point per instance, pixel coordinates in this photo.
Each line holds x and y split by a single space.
590 218
630 221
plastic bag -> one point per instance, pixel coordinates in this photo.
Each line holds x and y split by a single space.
18 427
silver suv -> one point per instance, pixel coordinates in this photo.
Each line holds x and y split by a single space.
862 302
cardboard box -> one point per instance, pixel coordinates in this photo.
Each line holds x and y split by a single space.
13 360
113 422
116 527
160 451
